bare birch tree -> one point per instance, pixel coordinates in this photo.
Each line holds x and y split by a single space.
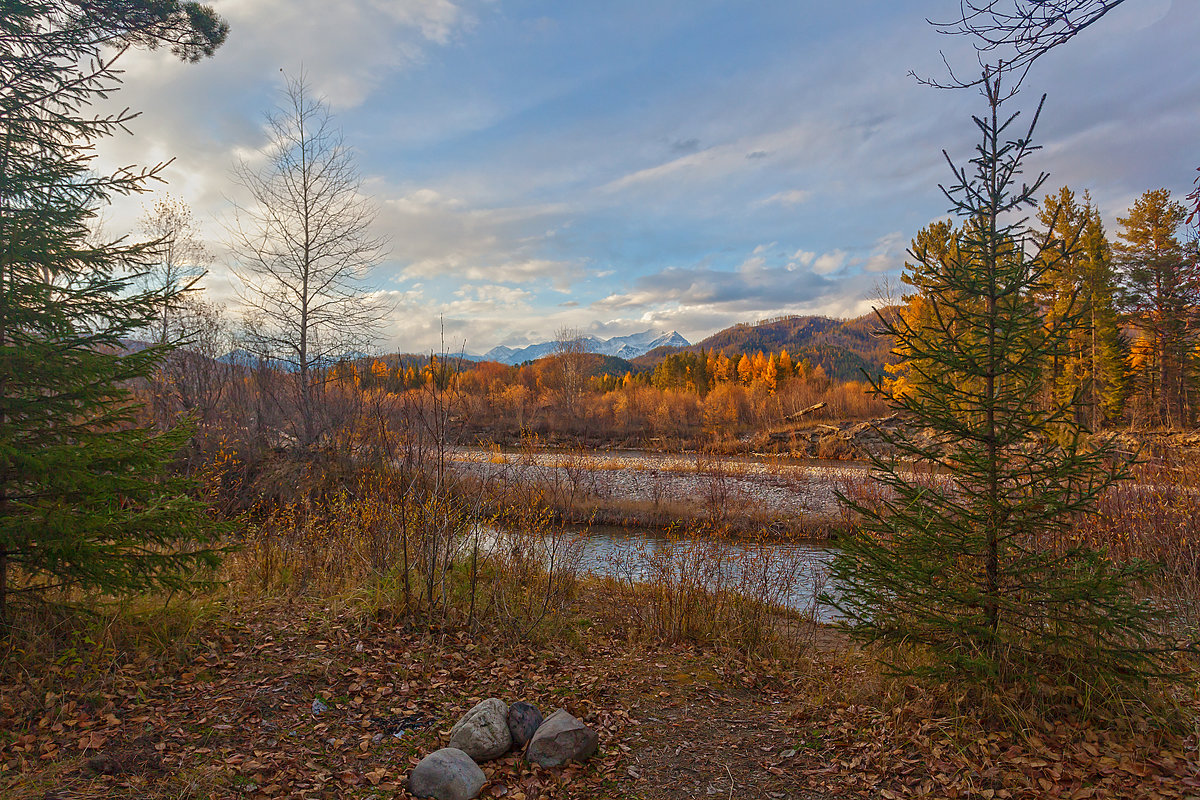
567 373
177 259
303 244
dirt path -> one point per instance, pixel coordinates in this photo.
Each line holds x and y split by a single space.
709 743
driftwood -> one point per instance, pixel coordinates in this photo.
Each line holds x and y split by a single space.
808 410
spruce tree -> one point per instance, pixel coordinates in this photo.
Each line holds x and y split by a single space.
83 497
974 562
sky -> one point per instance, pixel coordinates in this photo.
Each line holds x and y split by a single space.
669 164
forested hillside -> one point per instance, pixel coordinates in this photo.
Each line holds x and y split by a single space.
844 349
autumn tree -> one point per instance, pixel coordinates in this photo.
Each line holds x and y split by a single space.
745 369
1161 279
303 243
933 244
1082 282
976 566
84 497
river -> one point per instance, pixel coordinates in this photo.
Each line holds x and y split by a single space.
784 574
770 490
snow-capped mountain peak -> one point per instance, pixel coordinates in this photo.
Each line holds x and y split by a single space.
627 347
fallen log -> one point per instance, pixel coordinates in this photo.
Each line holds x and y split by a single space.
808 410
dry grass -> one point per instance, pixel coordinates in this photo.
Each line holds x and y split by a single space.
1155 517
702 489
397 547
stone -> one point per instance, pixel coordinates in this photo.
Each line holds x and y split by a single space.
523 721
446 774
483 732
561 738
319 707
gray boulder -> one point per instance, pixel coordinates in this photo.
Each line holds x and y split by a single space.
483 732
561 738
446 774
523 721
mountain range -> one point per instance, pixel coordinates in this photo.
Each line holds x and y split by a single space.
844 349
626 347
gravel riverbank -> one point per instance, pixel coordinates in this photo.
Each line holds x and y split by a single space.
650 488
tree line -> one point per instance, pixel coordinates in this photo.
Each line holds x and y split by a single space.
1132 355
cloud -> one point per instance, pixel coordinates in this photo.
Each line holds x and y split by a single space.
719 160
436 236
888 253
695 322
829 262
492 297
269 35
210 115
754 283
473 322
789 198
685 145
701 299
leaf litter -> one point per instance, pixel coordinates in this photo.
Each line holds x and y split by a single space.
233 717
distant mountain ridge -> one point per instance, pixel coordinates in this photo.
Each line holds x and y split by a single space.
244 358
844 349
625 347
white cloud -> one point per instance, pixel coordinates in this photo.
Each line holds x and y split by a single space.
495 297
208 116
828 263
696 321
434 235
747 153
757 282
789 198
888 253
346 48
